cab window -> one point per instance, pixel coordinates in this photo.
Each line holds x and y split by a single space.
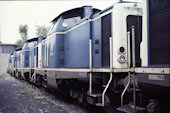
54 26
70 21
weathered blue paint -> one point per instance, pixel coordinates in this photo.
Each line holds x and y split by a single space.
25 54
31 57
43 55
96 37
70 49
76 46
29 51
87 11
55 54
14 59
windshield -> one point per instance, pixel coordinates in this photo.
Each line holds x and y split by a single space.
54 26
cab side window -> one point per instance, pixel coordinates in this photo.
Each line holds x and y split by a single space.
70 21
54 25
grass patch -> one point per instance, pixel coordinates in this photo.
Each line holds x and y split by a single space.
5 74
38 97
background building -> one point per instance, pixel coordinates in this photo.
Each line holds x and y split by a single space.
5 51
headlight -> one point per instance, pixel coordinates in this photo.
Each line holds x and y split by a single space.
122 59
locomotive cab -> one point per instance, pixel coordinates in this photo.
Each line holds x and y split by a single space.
18 58
30 53
122 23
63 40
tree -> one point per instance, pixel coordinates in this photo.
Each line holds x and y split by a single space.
42 31
19 43
23 30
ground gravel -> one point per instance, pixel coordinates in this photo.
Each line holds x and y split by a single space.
18 96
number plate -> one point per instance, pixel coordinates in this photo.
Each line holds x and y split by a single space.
156 77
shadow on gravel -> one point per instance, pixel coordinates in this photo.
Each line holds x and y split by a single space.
18 96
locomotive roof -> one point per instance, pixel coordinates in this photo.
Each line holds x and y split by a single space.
18 49
34 39
73 11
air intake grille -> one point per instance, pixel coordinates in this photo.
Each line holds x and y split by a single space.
106 33
159 32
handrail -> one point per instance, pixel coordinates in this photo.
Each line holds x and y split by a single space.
90 66
128 51
134 62
111 52
111 74
110 80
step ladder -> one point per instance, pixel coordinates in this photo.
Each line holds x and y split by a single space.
129 108
101 97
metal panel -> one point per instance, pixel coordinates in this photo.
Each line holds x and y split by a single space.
31 58
43 52
154 79
153 70
40 55
55 54
107 70
65 75
159 32
96 40
40 72
106 33
76 46
51 80
26 58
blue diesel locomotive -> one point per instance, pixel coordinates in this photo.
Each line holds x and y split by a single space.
98 57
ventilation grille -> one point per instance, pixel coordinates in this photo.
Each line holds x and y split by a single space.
159 32
106 33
